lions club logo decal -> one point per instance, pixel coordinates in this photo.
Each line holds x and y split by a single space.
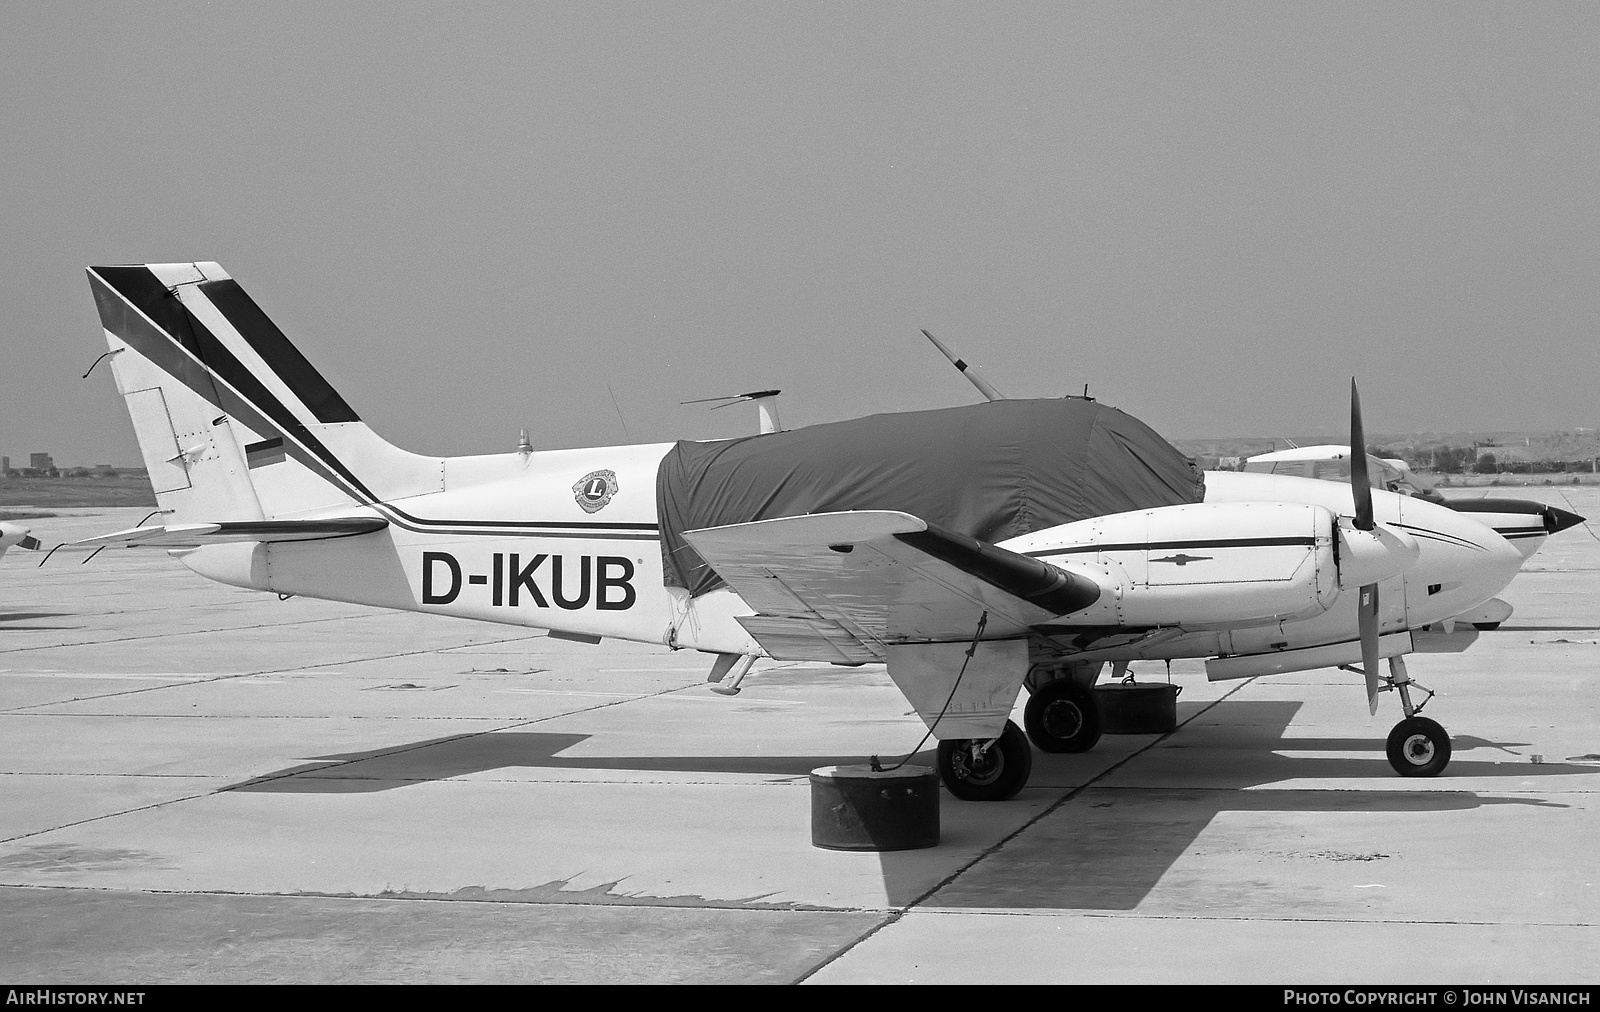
595 489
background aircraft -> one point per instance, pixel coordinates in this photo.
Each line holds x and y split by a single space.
973 550
1523 522
1331 462
12 534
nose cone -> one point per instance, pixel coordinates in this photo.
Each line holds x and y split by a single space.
1462 563
1556 520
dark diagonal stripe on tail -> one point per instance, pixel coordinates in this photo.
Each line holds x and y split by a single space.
269 342
146 292
119 317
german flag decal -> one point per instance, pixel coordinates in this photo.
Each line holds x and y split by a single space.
268 451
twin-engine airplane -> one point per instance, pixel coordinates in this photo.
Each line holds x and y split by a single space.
972 549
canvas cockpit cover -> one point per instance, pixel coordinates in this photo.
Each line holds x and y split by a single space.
991 471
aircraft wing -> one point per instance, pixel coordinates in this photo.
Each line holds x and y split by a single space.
844 586
193 535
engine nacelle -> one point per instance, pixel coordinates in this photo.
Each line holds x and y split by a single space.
1197 565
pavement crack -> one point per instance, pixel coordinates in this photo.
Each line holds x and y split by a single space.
257 673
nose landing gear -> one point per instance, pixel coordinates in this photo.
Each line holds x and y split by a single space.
1417 746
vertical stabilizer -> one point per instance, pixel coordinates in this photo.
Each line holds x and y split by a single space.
233 422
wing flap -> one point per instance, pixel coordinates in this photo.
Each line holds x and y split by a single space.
807 639
194 535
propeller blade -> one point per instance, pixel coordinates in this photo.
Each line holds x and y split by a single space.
1360 484
989 392
1367 616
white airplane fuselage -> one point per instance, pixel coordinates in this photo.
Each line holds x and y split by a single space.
515 546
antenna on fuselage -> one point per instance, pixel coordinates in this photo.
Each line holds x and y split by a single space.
766 407
983 385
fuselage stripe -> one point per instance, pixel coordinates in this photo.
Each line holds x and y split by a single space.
1449 539
1165 546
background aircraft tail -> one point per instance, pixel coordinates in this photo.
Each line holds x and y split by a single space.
233 422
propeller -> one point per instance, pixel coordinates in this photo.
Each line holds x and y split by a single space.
1360 483
989 392
1367 608
1367 615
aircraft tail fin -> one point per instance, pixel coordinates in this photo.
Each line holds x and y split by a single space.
233 422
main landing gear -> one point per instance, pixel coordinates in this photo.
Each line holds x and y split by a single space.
1417 746
980 769
1061 716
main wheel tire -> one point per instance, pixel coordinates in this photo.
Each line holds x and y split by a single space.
997 775
1062 717
1418 747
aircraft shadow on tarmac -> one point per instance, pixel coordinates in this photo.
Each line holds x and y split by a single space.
442 758
1118 832
1208 748
24 616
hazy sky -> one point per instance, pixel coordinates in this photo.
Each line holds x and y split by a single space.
475 218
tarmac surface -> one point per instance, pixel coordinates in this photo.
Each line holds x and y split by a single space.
203 784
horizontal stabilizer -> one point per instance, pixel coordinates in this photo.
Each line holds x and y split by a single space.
194 535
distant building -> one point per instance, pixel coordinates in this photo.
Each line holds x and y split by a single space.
105 470
5 464
40 461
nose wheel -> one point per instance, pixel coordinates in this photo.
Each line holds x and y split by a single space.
1418 747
